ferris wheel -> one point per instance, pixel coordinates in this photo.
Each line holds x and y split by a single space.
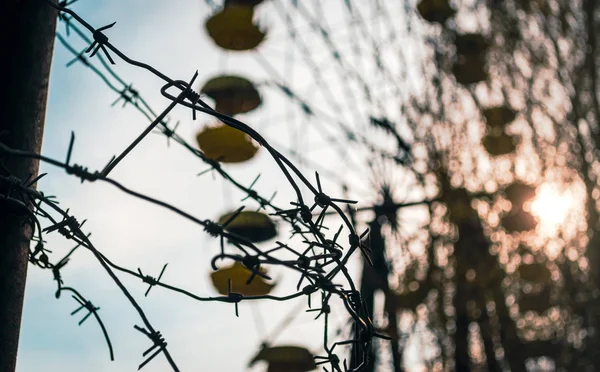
342 74
327 84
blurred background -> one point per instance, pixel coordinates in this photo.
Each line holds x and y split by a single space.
466 130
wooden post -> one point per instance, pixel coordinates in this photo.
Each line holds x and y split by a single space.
28 28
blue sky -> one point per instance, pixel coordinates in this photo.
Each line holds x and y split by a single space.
202 336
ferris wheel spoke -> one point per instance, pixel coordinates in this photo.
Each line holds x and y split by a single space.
348 133
322 30
308 58
333 144
336 27
341 177
345 74
378 62
285 88
375 54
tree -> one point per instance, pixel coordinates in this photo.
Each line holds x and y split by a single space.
510 102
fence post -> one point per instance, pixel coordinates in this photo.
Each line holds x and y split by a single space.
27 34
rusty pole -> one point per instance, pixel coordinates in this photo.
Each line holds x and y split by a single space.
28 28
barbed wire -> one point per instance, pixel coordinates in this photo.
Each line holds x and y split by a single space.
129 95
70 228
135 98
319 263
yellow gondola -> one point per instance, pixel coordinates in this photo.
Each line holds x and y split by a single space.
232 28
499 116
286 359
497 145
239 275
435 10
470 44
518 222
232 94
254 226
519 193
226 144
470 70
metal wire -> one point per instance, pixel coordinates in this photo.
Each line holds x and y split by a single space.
319 263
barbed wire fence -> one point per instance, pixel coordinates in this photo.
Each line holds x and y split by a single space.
319 261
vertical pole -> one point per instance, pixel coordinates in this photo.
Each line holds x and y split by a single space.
27 34
367 290
376 278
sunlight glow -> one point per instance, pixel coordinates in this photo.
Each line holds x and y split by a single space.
552 206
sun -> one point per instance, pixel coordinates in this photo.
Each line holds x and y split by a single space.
552 206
